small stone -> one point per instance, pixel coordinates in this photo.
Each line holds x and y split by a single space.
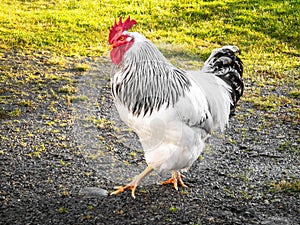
252 128
267 202
243 147
93 192
276 221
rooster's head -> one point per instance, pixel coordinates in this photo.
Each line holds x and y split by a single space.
120 40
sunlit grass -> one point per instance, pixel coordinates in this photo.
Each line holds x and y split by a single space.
267 32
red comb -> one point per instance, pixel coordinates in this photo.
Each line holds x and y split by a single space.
119 27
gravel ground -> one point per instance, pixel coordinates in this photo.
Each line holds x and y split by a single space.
61 158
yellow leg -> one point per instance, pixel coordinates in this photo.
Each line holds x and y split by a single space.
133 184
175 180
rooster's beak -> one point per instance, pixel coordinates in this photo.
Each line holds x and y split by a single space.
110 47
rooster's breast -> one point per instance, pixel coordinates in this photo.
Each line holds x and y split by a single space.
168 142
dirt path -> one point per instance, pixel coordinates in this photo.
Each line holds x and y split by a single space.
59 160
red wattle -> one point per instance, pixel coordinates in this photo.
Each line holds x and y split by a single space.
117 53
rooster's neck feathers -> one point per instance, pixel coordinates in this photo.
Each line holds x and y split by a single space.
146 81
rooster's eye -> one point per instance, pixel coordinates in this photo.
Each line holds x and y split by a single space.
121 38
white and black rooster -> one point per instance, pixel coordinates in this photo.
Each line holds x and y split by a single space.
172 111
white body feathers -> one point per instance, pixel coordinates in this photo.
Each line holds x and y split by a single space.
173 131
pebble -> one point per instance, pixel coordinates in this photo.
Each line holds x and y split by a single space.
276 221
93 192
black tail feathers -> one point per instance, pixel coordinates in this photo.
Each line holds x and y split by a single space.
226 65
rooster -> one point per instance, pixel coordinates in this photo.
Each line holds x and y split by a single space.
171 110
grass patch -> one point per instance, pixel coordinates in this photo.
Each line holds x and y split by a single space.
54 33
173 209
15 113
62 210
81 98
286 186
288 146
295 93
267 31
82 67
67 89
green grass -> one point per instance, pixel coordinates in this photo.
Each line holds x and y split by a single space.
286 186
267 32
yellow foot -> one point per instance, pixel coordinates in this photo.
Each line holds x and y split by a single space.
133 184
175 180
120 189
